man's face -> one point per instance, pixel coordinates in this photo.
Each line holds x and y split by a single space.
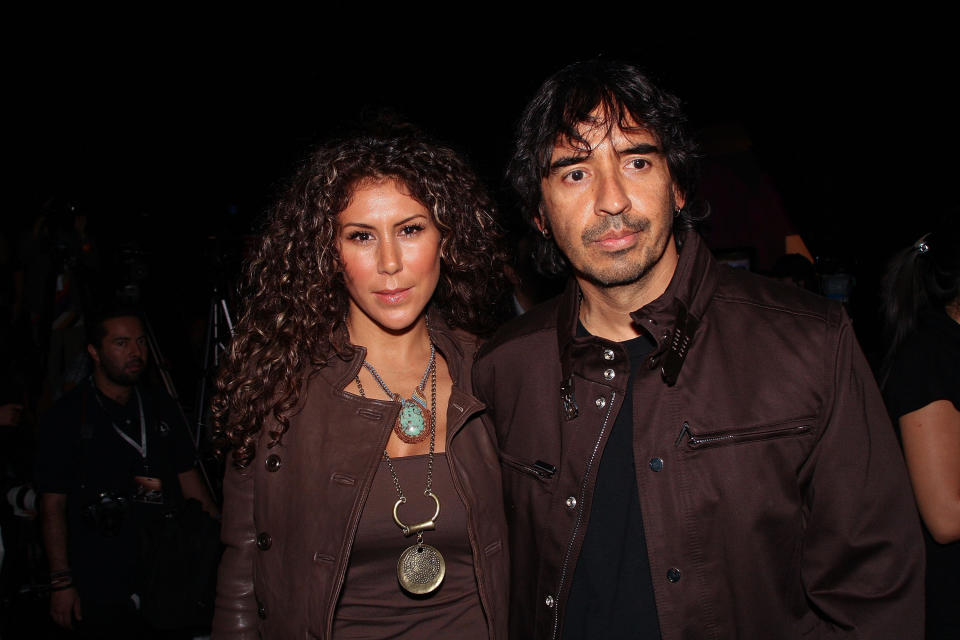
122 354
611 209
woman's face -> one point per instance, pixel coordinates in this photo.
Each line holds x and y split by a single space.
390 248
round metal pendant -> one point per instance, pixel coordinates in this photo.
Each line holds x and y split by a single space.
420 569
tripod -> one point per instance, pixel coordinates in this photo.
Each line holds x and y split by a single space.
154 346
219 331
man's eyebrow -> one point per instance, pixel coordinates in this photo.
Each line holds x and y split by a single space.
566 161
639 149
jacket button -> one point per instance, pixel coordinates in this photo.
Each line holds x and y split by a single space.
548 601
608 354
273 462
571 502
264 541
673 574
261 611
656 464
609 374
601 403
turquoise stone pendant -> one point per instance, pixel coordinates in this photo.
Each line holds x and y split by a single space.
413 422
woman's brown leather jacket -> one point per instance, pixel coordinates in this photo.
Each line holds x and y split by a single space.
290 516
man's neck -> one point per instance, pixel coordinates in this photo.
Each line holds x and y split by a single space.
605 311
117 392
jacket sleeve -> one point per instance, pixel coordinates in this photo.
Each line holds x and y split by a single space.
863 555
235 614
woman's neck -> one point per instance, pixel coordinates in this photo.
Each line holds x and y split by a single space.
386 348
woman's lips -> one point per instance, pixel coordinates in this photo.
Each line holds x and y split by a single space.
392 296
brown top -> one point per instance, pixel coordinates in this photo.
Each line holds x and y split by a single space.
372 604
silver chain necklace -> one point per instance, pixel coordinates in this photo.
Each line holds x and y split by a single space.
421 568
413 420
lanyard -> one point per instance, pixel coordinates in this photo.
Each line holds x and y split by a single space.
141 446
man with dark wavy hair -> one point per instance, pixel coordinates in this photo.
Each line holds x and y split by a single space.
688 451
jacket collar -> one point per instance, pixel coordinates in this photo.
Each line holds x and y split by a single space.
338 372
671 320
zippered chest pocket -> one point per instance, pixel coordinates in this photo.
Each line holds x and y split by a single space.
695 436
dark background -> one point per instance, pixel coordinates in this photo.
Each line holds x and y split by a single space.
167 138
174 133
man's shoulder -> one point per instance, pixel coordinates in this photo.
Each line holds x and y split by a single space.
157 397
162 409
761 295
539 322
67 411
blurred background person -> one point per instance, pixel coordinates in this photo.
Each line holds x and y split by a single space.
921 384
114 465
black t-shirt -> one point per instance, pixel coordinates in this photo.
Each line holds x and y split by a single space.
611 595
926 367
80 454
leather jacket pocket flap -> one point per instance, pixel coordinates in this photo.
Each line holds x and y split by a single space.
538 469
693 436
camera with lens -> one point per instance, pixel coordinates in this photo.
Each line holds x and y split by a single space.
106 513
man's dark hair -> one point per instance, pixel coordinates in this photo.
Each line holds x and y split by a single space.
629 100
96 324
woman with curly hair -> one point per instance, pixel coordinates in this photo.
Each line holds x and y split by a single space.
363 497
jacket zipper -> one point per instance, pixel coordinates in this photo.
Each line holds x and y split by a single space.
576 526
694 441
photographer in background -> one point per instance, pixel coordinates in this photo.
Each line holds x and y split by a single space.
113 459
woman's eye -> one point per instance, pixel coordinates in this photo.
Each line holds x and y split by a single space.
411 229
359 236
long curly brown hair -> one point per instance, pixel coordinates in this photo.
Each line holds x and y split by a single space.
293 291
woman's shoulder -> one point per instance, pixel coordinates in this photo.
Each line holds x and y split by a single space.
935 344
926 367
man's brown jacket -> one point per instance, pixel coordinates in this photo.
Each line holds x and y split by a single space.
774 496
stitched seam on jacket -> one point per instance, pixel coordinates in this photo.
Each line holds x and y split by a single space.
770 307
